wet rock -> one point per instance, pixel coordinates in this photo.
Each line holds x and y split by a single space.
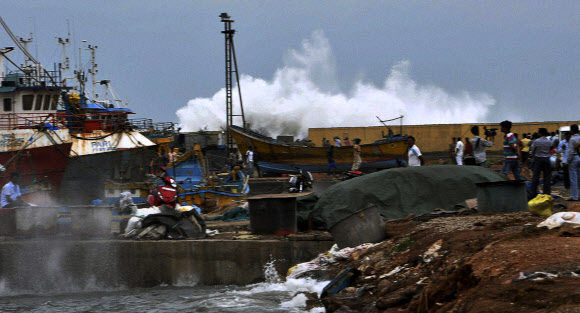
363 290
344 303
397 298
345 309
312 300
387 286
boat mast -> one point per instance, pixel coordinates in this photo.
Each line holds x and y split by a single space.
93 70
230 55
65 65
393 119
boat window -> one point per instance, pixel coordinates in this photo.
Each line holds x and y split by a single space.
46 105
7 105
54 102
38 104
27 102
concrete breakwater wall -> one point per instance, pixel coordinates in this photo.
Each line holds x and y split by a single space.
432 137
72 265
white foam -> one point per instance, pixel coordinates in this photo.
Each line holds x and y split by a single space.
291 287
305 93
299 301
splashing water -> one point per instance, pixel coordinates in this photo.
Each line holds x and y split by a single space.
270 272
272 295
304 93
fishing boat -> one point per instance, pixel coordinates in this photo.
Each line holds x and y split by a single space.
86 142
198 182
30 142
279 157
105 149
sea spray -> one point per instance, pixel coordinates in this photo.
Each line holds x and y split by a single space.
270 273
304 93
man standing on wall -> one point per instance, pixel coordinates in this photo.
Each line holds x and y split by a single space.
510 151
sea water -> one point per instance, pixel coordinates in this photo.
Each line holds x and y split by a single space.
273 295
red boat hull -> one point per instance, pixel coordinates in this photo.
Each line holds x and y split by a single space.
42 167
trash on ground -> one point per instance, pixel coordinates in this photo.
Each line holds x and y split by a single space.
541 205
557 219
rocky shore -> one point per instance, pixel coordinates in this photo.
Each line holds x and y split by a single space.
476 263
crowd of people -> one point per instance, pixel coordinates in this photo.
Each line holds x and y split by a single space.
534 151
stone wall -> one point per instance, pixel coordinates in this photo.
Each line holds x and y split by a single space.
37 265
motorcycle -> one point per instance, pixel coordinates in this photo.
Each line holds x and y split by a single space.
300 182
352 174
165 196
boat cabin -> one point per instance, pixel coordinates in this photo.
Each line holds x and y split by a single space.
26 101
29 99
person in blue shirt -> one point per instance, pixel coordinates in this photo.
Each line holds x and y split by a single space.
11 195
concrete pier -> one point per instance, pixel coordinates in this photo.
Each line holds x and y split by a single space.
67 264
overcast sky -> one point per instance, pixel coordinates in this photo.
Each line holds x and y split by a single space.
432 61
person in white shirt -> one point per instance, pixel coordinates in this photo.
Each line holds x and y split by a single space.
250 157
459 151
414 156
11 195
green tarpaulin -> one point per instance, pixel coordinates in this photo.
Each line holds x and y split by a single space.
400 191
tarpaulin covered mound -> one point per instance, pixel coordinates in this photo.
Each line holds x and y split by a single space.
400 191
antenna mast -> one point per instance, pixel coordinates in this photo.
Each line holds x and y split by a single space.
65 65
93 70
230 55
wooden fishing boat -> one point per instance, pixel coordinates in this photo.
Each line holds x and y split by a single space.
277 157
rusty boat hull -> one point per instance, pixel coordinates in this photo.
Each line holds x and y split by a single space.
38 156
113 157
278 157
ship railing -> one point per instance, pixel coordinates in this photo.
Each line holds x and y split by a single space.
78 123
90 122
164 127
9 121
142 124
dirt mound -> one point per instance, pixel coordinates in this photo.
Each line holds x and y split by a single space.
475 263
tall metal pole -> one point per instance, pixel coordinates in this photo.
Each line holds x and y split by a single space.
231 66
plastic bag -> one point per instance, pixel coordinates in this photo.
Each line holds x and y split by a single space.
557 219
541 205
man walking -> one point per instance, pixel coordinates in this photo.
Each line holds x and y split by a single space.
479 144
541 153
510 151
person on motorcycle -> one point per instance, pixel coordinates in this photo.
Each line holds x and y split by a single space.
165 196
